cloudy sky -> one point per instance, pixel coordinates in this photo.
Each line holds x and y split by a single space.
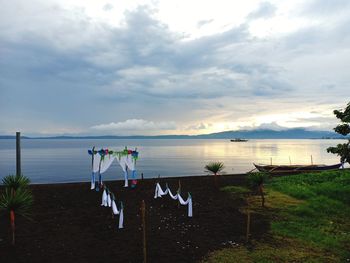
171 67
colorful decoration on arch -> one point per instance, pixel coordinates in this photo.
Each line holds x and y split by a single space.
102 160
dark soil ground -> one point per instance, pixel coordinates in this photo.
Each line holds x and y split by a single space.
69 225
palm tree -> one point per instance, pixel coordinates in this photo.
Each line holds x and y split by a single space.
215 167
16 204
14 182
257 181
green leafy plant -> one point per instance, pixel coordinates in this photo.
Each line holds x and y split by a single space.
16 204
342 150
215 167
256 181
14 182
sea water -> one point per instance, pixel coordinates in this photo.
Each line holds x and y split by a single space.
67 160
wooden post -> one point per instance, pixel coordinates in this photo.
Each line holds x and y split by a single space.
143 215
18 153
248 226
248 222
270 160
142 176
290 162
179 189
312 162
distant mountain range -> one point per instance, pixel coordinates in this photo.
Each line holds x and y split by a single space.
297 133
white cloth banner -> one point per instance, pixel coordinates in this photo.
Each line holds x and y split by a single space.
104 198
121 218
159 193
130 162
109 200
115 208
105 163
92 181
175 197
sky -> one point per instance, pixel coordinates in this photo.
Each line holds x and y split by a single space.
80 67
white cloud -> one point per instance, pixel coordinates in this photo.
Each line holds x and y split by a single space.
135 125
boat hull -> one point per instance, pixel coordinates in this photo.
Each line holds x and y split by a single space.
296 168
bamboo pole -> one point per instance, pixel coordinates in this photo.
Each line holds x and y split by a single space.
143 215
248 222
18 153
178 203
248 226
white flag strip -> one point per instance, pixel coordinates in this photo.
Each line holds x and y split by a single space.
175 197
190 213
115 208
121 217
104 198
156 191
159 192
109 201
92 181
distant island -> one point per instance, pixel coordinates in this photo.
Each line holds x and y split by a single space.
296 133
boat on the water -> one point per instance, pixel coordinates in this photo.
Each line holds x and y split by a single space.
238 140
296 168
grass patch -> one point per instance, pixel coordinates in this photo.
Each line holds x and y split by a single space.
277 250
309 220
236 189
323 218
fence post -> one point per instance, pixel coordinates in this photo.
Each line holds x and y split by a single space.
18 153
143 215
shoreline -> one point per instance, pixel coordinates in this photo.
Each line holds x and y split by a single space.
145 179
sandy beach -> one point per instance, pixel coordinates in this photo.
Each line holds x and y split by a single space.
68 223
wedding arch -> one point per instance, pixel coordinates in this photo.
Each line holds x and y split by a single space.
102 159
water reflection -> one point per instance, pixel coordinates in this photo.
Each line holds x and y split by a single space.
67 160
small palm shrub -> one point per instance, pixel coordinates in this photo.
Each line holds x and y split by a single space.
18 203
256 181
16 199
215 167
14 182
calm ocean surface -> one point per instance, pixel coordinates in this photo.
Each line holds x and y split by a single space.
55 161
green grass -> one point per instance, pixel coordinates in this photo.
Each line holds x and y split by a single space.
310 220
236 189
323 218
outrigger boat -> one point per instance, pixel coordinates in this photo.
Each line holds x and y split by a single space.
238 140
296 168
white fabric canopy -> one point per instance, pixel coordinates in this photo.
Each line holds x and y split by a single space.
101 165
105 163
